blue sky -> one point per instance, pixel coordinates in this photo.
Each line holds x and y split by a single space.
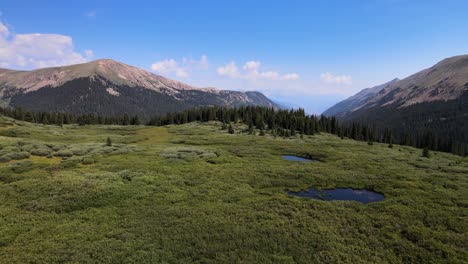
307 53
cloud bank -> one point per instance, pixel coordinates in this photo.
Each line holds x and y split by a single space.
330 78
251 71
36 50
180 69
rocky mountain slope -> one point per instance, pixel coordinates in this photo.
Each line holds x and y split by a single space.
108 87
446 81
348 105
432 102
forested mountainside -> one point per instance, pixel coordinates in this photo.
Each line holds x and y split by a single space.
107 88
281 123
431 104
346 106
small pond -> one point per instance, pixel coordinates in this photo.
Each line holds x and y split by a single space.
348 194
296 158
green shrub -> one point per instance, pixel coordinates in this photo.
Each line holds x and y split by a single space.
8 150
9 133
128 175
187 153
57 147
88 160
79 150
64 153
22 166
18 155
40 152
121 151
4 158
426 153
69 163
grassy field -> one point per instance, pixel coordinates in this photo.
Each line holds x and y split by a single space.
194 193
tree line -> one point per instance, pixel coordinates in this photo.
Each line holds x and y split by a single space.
283 123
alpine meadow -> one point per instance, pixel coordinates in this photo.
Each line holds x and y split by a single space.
234 132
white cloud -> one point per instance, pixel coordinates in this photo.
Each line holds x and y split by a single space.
252 66
329 78
229 70
3 30
251 71
182 69
291 76
37 50
168 67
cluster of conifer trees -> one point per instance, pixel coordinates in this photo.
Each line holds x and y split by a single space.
290 122
59 118
282 123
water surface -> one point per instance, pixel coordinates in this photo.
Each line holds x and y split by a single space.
296 158
348 194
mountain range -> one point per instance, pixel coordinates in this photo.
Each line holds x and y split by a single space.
432 102
107 87
446 81
348 105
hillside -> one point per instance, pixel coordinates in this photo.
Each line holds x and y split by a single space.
107 87
348 105
433 102
194 193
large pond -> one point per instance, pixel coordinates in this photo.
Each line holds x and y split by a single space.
362 196
296 158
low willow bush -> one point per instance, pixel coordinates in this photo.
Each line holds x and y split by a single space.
187 153
128 175
64 153
22 166
14 156
41 152
88 160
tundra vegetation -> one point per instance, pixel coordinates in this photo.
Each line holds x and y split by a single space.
199 193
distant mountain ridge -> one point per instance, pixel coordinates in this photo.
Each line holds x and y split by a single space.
445 81
431 104
342 108
108 87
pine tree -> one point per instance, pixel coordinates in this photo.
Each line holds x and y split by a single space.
426 153
135 121
108 142
45 120
125 120
230 129
251 129
224 126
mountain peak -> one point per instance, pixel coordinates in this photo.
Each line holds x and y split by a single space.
109 87
111 71
445 81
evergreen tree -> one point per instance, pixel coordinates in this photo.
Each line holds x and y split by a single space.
224 126
426 153
108 142
135 121
126 120
230 129
45 119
